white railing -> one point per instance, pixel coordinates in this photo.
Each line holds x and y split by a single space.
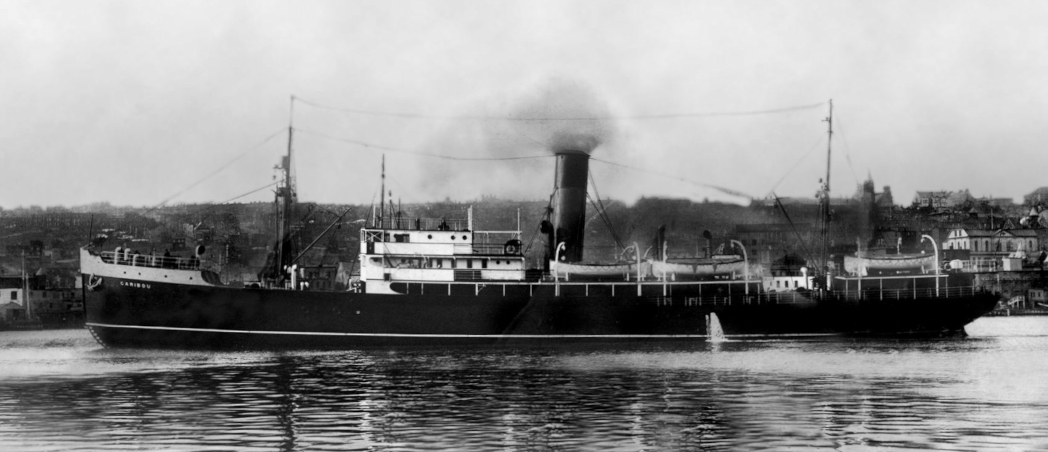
149 260
421 224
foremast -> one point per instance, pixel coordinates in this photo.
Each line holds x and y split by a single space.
286 196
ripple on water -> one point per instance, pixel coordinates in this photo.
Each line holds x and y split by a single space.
982 393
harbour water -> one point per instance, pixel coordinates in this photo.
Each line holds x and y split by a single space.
59 391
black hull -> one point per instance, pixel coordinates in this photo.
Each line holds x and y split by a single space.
128 313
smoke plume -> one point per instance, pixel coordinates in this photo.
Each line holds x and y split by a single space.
564 114
553 115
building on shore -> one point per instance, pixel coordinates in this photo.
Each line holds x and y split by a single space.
988 249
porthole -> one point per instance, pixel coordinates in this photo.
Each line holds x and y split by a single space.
463 237
429 236
452 237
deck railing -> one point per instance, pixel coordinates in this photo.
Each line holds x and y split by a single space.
871 295
421 224
149 260
649 291
496 249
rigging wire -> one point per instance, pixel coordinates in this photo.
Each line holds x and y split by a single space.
534 236
205 209
817 145
847 149
420 153
250 192
408 115
660 173
607 222
603 212
213 173
804 243
546 212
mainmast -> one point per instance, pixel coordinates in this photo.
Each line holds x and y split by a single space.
285 200
382 199
826 192
25 290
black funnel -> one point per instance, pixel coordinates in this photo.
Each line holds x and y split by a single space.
569 205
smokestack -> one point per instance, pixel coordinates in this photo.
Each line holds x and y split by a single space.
569 204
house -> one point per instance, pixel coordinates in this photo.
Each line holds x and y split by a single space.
933 199
943 199
56 306
11 311
1038 295
982 242
768 241
1037 197
989 249
11 289
318 269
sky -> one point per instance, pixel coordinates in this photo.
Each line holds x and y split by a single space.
143 103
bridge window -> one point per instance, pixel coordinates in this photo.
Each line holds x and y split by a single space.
401 238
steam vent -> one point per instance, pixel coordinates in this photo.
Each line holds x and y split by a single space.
569 204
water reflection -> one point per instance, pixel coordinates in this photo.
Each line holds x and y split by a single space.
981 393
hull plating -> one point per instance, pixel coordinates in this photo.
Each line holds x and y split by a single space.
129 313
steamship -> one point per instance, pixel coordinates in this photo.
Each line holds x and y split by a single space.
441 282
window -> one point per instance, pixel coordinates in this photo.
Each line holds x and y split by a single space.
14 295
469 263
483 263
401 238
